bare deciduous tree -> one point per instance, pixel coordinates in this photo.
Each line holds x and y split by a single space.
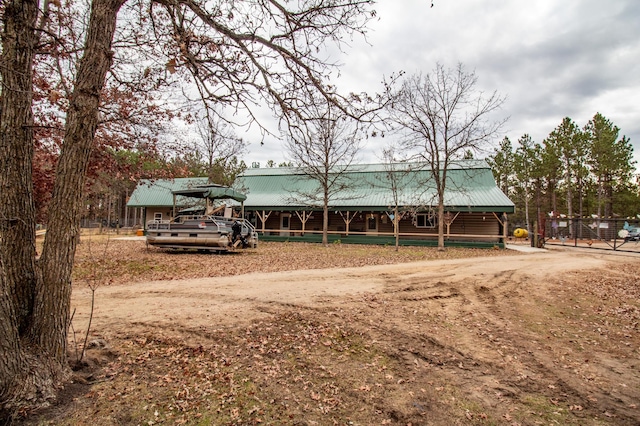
220 147
35 325
252 53
323 148
441 118
242 53
395 181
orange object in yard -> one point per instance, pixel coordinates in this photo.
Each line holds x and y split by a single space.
140 232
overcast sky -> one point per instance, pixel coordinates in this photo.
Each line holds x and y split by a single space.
550 59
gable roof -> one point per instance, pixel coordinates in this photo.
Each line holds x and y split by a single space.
470 187
158 192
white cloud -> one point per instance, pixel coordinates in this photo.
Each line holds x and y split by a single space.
550 59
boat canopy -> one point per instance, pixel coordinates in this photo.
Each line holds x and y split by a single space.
211 192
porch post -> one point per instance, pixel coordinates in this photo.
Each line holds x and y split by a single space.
174 207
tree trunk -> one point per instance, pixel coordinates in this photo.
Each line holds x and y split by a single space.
526 210
608 197
570 206
16 155
17 212
396 225
81 124
569 183
554 198
441 221
325 222
580 208
34 375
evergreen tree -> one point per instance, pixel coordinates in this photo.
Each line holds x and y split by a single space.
610 160
552 171
523 166
502 165
566 140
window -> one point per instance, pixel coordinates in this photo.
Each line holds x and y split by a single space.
425 220
157 217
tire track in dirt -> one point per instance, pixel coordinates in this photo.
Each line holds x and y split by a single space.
511 366
446 323
538 365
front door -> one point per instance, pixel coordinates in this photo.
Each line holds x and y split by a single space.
372 223
285 219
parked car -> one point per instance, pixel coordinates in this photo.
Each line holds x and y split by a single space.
633 235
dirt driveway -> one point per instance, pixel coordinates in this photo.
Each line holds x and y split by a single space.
537 338
228 300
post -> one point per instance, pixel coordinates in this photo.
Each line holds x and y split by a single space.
174 206
126 210
505 230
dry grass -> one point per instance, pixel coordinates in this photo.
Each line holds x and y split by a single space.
492 350
132 261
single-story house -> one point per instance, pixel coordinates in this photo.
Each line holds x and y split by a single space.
157 200
285 202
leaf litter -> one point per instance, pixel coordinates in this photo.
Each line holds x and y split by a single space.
514 348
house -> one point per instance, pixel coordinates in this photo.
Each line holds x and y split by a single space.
283 203
156 198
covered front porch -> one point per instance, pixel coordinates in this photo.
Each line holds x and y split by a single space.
380 227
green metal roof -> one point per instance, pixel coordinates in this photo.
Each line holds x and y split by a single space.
470 187
158 192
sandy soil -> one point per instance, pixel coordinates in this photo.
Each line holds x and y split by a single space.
536 338
228 300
